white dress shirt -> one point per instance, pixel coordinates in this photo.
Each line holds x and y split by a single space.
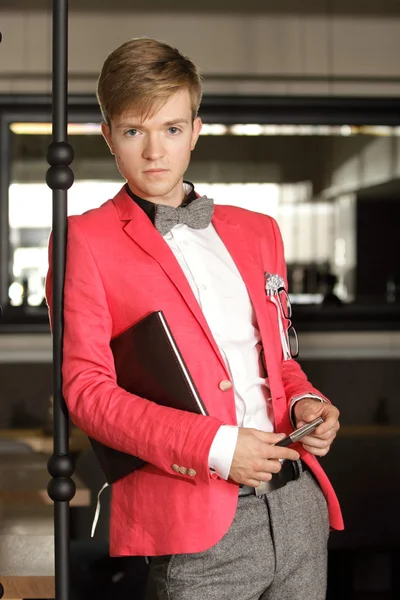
224 300
226 305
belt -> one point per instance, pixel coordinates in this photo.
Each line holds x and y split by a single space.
291 470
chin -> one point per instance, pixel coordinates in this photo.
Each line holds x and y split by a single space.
158 188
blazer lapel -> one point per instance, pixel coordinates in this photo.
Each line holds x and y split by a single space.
252 258
244 257
138 227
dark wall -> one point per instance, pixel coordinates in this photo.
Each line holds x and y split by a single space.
355 386
378 244
25 390
365 391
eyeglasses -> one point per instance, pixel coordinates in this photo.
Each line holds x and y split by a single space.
275 289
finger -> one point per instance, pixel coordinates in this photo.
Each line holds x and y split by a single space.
331 433
304 421
281 453
300 422
264 476
330 422
255 481
268 437
317 451
316 443
252 482
267 466
309 412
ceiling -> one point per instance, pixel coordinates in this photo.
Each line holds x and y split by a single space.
345 7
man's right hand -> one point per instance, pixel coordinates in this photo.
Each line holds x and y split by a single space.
256 458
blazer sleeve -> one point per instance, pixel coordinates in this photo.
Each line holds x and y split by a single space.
159 435
295 381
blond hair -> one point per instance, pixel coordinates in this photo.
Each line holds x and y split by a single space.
143 74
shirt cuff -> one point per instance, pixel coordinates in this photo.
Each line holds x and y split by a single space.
222 450
301 397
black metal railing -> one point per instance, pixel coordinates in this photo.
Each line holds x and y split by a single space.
59 178
1 586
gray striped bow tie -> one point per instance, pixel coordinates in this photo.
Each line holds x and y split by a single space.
197 215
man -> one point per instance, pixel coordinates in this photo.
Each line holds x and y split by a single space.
192 508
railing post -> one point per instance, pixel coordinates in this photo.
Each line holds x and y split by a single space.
59 178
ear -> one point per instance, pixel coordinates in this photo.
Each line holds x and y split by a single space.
106 131
197 125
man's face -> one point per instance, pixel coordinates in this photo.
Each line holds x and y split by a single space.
153 154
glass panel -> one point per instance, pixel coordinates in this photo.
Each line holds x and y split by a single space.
317 181
30 199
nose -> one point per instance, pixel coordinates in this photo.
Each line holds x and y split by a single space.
153 149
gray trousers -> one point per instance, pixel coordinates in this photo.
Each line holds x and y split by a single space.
275 549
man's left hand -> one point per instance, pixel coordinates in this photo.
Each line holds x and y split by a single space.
308 409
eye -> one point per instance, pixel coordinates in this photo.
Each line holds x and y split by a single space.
131 132
173 130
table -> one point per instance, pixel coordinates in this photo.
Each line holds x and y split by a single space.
24 479
39 442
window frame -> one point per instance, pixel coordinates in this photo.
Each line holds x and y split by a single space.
227 110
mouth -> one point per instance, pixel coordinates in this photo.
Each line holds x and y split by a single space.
155 171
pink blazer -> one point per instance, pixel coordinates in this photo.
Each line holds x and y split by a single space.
119 268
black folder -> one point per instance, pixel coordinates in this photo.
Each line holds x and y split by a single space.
148 363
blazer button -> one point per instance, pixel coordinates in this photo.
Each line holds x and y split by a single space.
183 470
225 385
175 468
191 472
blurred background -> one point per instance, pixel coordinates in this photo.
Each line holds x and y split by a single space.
301 116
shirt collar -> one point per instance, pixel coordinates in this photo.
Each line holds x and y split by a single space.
149 207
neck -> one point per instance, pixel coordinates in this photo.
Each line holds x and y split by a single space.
173 198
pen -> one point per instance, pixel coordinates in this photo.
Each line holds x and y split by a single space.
297 435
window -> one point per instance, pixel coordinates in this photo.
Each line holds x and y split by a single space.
314 179
30 199
30 218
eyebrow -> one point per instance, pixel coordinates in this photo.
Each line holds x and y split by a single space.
132 125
